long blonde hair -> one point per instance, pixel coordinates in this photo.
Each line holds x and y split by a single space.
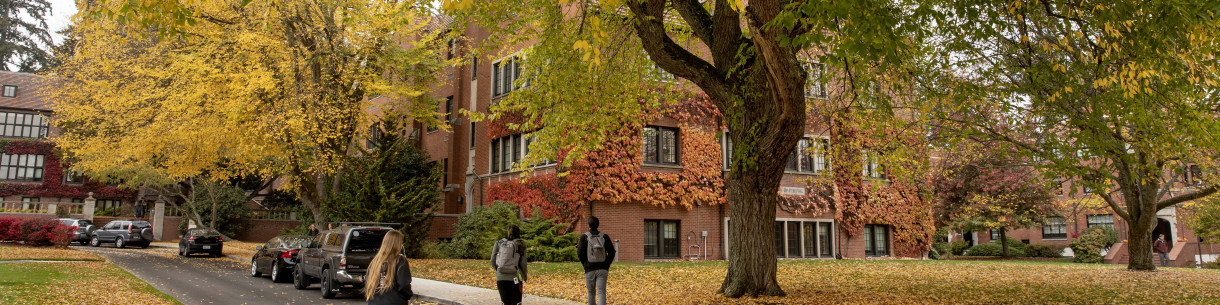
385 261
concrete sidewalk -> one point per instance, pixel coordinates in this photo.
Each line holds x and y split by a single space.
447 293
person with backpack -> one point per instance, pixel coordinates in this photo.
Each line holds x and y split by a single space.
596 252
508 260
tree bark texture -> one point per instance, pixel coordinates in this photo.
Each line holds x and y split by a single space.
758 84
1004 241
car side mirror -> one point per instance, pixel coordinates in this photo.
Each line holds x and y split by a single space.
259 248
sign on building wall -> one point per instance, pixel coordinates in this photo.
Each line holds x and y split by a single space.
792 191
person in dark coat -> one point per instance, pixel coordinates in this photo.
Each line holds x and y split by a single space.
392 284
1161 247
595 272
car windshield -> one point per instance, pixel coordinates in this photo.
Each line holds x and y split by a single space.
84 223
296 242
365 240
203 232
141 224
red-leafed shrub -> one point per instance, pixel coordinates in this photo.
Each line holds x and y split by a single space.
10 228
45 232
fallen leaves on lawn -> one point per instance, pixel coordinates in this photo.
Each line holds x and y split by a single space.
861 282
73 283
43 253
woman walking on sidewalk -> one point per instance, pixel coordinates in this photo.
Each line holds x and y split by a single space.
508 259
392 284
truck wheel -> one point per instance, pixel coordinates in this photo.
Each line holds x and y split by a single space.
328 284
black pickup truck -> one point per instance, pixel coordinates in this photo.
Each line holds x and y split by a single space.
339 257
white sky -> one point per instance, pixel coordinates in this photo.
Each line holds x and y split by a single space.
61 16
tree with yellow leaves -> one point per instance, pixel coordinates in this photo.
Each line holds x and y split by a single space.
264 88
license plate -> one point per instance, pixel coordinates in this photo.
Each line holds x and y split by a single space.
207 247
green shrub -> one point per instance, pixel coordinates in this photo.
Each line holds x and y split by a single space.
940 250
433 250
1212 265
1043 250
959 247
476 232
544 242
1015 243
1088 246
995 249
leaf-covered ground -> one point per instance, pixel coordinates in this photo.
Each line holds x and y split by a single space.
18 252
70 282
863 282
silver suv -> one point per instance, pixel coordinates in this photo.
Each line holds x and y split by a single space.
83 232
124 233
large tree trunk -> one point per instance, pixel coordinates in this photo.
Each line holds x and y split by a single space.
1140 242
1004 241
752 256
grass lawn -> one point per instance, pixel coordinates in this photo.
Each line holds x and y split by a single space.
863 282
71 282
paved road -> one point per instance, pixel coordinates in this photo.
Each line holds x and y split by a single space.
209 280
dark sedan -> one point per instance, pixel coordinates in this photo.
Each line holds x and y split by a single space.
278 257
200 241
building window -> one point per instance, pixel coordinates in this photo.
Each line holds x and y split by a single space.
31 203
661 239
660 145
451 48
73 177
876 240
21 167
810 156
507 151
474 68
10 91
472 130
445 176
23 125
1054 228
814 87
503 75
995 234
803 239
448 110
1105 220
1193 175
726 150
872 168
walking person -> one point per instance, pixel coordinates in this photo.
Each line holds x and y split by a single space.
596 252
1161 247
508 260
392 284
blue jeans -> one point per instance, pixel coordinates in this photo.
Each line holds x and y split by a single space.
596 282
1164 259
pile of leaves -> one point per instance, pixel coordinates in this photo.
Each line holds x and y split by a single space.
860 282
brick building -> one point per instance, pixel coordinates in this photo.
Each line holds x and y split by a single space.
33 180
477 159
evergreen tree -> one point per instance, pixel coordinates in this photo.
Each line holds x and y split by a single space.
23 34
391 181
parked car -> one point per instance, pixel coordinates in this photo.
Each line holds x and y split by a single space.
83 229
200 241
338 257
278 257
123 233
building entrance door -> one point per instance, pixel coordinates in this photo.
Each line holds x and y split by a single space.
1163 227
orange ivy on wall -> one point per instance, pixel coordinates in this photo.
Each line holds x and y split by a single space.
615 174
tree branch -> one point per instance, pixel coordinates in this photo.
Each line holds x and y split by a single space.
1186 197
649 24
699 20
1114 206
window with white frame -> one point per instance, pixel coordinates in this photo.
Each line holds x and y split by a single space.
810 156
504 74
814 86
507 151
10 91
658 74
1104 220
73 177
876 240
872 168
23 125
1054 228
726 150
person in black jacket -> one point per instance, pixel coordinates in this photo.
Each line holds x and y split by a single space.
391 283
596 252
